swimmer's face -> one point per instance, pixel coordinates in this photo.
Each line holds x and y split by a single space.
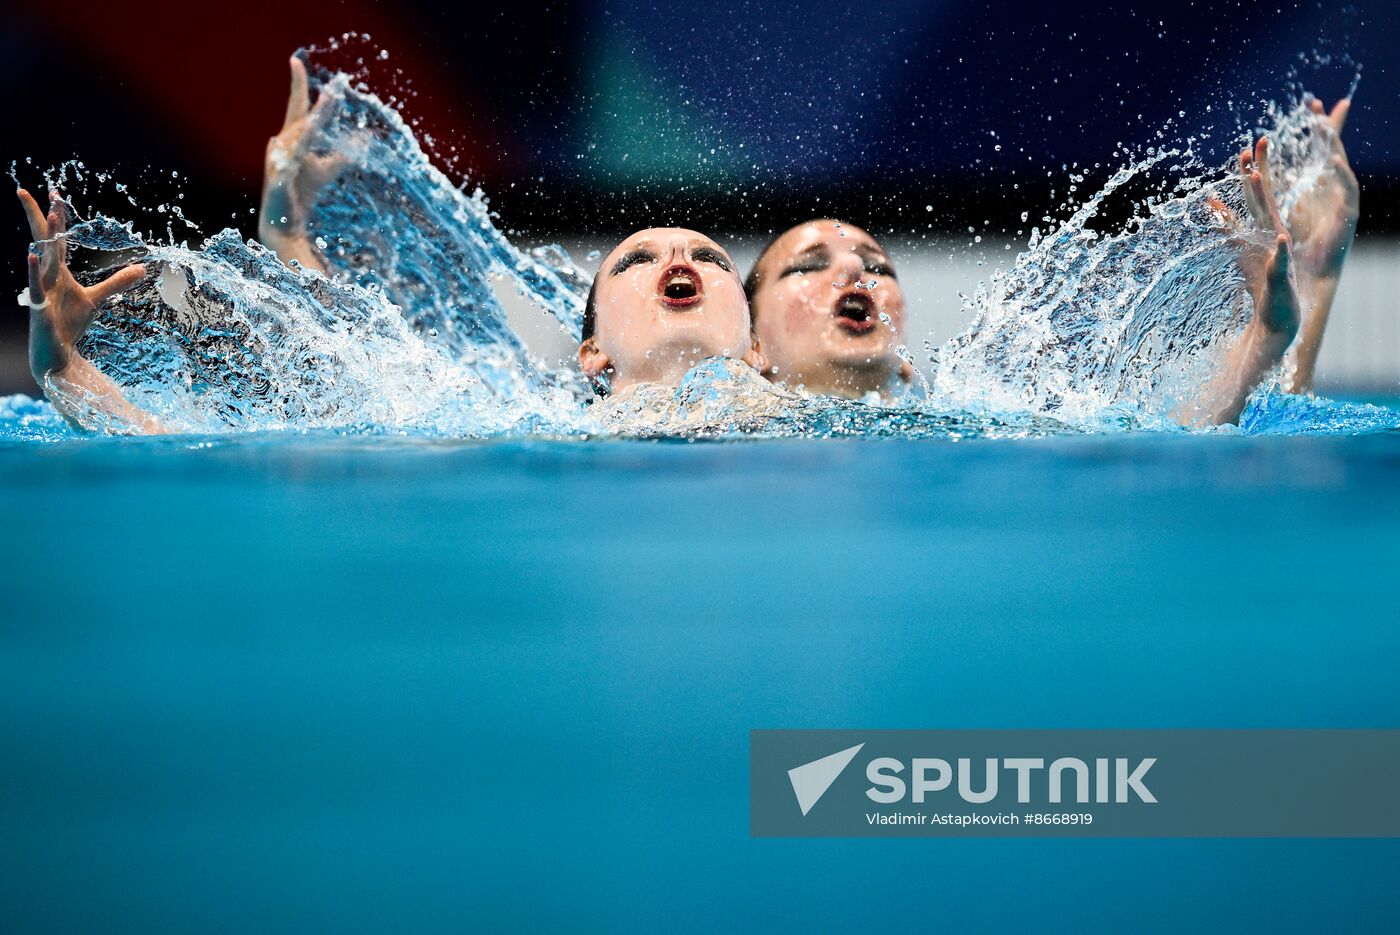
829 312
665 299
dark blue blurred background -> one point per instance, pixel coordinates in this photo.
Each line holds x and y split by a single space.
734 116
734 108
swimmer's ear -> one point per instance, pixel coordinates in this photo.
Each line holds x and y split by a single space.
591 359
755 357
906 371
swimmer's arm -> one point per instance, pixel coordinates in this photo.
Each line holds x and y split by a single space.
1323 226
1259 349
60 311
1277 307
1319 295
80 388
293 177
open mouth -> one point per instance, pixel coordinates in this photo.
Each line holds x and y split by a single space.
855 311
680 287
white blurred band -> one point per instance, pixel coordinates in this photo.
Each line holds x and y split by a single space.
24 299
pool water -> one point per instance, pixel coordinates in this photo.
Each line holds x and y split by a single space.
260 683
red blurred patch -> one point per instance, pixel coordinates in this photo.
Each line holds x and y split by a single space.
217 75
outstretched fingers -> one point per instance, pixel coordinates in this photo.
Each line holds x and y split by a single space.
119 281
299 102
1266 179
1338 117
36 282
1269 217
1226 221
38 226
1223 215
56 247
1258 189
1256 207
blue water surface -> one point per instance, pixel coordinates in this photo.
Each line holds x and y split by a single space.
315 682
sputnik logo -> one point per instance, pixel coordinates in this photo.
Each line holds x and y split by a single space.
811 780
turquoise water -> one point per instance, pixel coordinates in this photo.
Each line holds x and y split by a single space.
388 642
262 682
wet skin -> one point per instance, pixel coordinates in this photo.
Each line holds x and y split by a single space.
666 299
829 311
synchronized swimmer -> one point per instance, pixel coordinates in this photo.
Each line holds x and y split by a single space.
666 299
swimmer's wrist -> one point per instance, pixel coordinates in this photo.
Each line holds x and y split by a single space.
286 243
48 355
293 247
278 219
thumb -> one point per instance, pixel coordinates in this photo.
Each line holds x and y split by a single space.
1282 263
119 281
1280 312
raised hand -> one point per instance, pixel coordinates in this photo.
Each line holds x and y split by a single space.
1266 265
1266 260
294 176
60 311
1323 224
1323 219
61 308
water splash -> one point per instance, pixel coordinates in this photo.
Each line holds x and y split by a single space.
409 335
1088 326
1086 331
435 251
227 337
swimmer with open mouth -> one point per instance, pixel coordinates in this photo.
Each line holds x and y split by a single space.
829 312
828 308
663 300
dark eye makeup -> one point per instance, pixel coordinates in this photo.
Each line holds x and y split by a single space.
710 255
632 258
809 262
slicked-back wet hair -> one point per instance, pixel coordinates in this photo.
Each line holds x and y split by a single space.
590 309
752 281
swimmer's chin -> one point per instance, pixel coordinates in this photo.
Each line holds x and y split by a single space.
864 356
844 344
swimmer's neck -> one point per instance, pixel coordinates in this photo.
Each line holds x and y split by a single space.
849 381
665 367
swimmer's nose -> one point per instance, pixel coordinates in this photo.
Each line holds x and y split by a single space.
677 251
848 268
